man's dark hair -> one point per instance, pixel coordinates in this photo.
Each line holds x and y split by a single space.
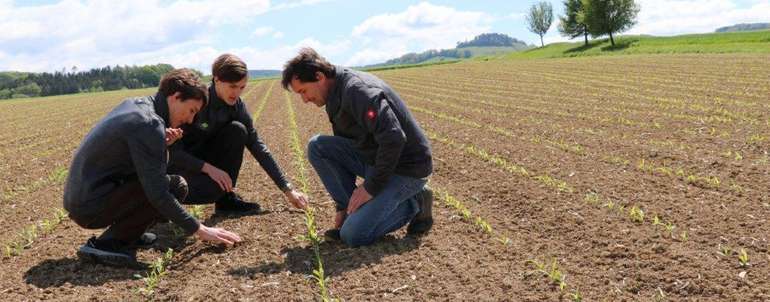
229 68
186 82
304 67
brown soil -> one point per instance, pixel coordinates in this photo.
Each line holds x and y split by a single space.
601 251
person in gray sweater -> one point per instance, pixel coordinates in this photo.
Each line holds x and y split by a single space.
376 138
118 177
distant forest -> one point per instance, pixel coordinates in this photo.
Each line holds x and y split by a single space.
743 27
24 84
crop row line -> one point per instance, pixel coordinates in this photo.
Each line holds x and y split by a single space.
598 84
709 182
158 267
545 179
57 176
635 213
27 236
482 224
258 112
311 234
546 105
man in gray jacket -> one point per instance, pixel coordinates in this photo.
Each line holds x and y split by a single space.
118 175
376 138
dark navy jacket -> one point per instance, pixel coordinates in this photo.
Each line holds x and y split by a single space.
208 122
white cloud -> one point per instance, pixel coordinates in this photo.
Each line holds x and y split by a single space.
517 16
97 33
295 4
263 31
267 31
255 58
420 27
667 17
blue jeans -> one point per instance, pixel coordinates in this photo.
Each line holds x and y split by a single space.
338 163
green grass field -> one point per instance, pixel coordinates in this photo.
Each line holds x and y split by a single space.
736 42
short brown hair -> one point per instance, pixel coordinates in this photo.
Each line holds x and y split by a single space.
186 82
229 68
304 67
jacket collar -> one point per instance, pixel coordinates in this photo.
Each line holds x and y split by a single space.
334 99
161 108
214 100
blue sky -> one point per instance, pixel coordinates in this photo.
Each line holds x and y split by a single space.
50 35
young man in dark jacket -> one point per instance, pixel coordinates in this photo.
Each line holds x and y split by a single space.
375 137
211 152
118 175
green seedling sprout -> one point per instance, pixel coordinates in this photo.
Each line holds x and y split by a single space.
743 258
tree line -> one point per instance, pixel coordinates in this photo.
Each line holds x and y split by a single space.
22 84
585 17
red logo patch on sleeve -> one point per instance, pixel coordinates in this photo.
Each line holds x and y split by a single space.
370 114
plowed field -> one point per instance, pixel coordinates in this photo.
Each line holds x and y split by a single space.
625 178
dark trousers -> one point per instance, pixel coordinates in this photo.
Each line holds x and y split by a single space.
126 212
224 151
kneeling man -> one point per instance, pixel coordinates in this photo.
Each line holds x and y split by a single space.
376 138
118 175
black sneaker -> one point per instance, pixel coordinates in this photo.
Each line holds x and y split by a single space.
108 252
147 239
423 221
332 235
231 203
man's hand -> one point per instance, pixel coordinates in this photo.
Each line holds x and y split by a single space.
219 177
359 197
173 135
217 235
339 219
297 199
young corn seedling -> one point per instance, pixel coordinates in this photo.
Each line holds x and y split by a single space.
157 270
551 271
28 235
576 296
8 251
592 198
743 258
59 175
636 214
197 212
484 225
504 240
683 236
725 250
621 209
669 228
47 226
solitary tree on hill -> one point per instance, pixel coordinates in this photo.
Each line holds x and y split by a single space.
539 19
605 17
571 25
